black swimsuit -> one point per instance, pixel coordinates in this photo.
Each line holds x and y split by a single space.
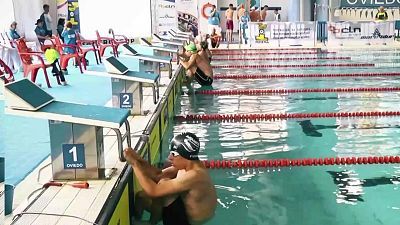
202 78
175 213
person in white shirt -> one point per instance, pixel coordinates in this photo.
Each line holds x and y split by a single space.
277 16
46 18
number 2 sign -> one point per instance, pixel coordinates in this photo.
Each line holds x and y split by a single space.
126 100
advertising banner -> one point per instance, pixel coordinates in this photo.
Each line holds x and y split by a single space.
73 14
282 34
188 16
351 33
369 3
166 16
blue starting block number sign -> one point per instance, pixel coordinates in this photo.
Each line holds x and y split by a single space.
126 100
74 156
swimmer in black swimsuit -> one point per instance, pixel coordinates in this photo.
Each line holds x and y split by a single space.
197 66
181 194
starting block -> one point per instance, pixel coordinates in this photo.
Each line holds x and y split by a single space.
127 85
76 130
152 60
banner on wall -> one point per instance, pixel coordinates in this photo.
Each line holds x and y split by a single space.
369 3
188 16
73 14
69 10
360 32
166 16
282 33
62 9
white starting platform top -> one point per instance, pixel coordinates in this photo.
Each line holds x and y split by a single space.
178 37
188 34
129 51
166 41
115 69
159 48
24 98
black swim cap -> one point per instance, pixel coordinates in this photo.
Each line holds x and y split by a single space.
187 145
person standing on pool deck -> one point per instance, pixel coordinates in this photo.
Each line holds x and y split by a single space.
196 66
229 23
182 194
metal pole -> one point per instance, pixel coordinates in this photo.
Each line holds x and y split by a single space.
315 24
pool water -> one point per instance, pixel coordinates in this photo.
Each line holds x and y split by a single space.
329 195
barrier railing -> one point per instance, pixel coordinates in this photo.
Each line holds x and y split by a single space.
118 208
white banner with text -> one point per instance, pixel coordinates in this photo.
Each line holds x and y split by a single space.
363 33
280 34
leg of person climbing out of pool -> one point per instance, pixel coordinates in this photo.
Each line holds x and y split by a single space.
142 202
158 204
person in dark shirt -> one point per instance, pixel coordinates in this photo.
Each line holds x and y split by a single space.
41 31
47 20
60 27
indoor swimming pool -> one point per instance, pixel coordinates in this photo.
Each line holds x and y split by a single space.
330 195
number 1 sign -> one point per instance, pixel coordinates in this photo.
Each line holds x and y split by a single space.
74 156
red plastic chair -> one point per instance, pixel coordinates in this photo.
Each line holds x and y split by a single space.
118 38
65 57
26 57
5 70
88 46
105 42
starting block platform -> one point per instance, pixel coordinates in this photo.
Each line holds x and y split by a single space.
186 34
168 42
76 130
128 51
127 85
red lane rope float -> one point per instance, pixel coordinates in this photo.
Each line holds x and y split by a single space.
288 91
278 76
283 59
273 53
273 163
261 49
280 116
298 65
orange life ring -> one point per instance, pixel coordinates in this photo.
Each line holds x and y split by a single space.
203 10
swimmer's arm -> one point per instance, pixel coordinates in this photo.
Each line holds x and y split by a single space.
169 172
151 171
189 63
168 187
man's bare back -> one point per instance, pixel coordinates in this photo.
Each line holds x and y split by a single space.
203 63
201 200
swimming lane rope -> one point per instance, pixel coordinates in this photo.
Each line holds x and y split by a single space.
279 116
282 59
273 163
301 65
288 91
319 75
263 49
273 53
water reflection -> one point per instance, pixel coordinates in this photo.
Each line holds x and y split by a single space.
350 186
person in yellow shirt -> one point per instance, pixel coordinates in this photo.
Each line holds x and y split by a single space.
381 15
